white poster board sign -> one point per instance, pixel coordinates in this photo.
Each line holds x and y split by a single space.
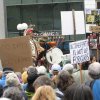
79 51
91 4
68 24
80 22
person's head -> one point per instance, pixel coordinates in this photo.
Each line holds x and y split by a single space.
68 67
41 81
94 70
92 59
55 69
69 93
32 71
41 70
64 80
12 80
30 31
13 93
7 70
44 93
83 92
30 81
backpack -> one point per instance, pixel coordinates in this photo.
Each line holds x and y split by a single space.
90 83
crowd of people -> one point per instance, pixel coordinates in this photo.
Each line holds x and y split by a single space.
57 83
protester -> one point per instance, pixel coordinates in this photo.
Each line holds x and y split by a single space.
82 92
35 46
14 93
68 67
41 70
94 73
5 72
92 59
55 69
12 80
64 80
44 93
29 88
41 81
77 75
41 59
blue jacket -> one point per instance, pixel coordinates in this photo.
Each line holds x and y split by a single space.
96 90
2 80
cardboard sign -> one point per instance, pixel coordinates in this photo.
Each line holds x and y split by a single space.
16 53
79 51
95 28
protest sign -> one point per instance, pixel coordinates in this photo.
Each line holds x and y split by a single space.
67 22
79 51
16 53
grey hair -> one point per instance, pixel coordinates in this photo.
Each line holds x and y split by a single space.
94 70
13 93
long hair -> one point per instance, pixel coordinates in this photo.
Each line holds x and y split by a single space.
64 80
44 93
83 92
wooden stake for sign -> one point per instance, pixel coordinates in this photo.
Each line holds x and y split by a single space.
97 52
81 78
74 26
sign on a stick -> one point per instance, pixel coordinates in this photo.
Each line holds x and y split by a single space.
79 51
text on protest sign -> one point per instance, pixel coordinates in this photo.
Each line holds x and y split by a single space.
79 51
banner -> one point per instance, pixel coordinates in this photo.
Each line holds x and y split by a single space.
15 53
79 51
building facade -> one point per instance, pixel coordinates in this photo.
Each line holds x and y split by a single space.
45 14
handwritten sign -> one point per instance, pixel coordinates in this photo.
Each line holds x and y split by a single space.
79 51
16 52
95 28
